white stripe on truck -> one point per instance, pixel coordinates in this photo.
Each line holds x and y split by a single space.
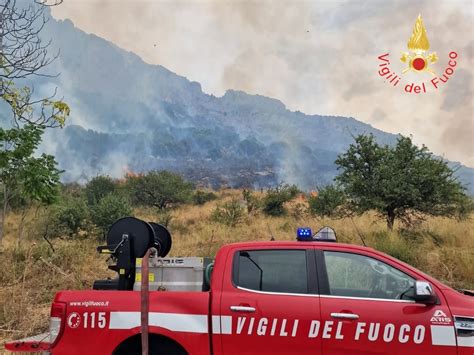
216 324
198 323
226 324
176 322
443 335
222 324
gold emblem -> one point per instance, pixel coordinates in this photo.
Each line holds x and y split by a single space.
418 44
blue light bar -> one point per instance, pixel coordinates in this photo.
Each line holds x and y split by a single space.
304 233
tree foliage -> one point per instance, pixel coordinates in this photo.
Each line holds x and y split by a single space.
69 218
99 187
22 175
108 210
329 202
24 53
161 189
402 182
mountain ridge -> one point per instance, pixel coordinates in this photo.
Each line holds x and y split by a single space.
131 115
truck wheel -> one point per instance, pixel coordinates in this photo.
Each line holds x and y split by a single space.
159 345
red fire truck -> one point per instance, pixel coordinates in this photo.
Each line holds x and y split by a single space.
310 296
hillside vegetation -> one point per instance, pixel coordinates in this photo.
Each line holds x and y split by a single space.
33 272
146 117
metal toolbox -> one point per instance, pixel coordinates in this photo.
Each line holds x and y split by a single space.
173 274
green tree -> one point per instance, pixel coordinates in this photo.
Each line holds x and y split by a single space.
23 53
108 210
328 203
98 188
23 176
401 182
159 189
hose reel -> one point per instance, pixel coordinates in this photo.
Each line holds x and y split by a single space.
130 238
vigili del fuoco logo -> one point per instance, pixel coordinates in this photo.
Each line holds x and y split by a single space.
419 60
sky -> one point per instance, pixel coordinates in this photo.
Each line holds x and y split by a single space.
317 57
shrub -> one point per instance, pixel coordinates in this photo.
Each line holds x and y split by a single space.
299 211
69 218
327 203
465 208
98 188
253 202
164 217
276 197
72 190
201 197
108 210
230 213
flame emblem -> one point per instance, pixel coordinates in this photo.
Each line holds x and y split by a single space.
418 44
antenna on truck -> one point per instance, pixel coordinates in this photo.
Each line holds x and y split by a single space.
272 239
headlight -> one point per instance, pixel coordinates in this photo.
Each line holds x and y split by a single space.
464 330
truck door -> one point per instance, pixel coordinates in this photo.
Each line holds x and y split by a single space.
366 309
268 302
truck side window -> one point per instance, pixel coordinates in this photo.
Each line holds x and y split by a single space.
354 275
272 270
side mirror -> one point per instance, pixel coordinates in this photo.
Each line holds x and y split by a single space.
424 293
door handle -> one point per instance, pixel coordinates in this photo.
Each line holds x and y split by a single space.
345 315
246 309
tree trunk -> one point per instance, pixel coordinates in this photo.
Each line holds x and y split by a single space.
21 225
2 225
3 215
390 219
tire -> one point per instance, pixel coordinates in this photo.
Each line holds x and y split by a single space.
158 345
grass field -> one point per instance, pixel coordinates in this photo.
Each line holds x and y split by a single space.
32 272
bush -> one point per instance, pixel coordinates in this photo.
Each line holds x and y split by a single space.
253 202
98 188
72 190
276 197
465 208
108 210
327 203
201 197
164 217
299 211
230 213
69 218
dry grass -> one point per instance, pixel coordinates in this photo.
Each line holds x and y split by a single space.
32 273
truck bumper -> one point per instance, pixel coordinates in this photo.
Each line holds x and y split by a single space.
35 344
